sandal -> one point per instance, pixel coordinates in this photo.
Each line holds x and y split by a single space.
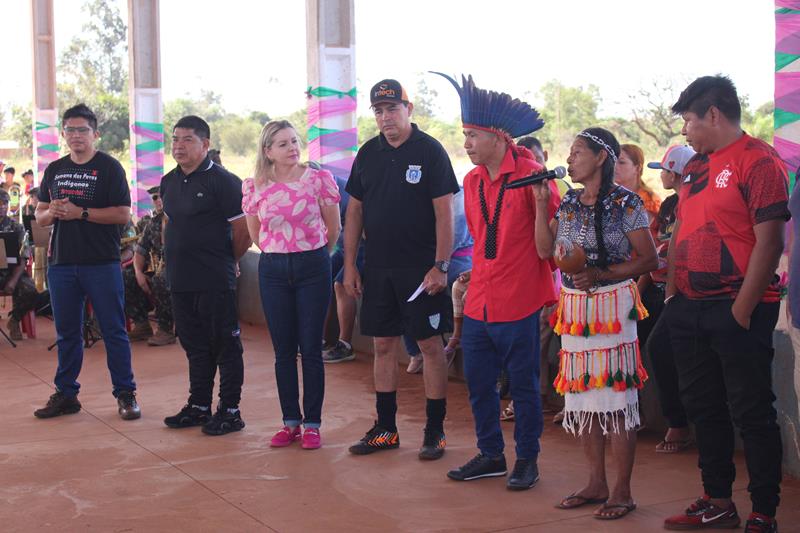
580 501
624 508
508 413
674 446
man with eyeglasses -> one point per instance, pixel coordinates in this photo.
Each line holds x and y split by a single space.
146 284
85 197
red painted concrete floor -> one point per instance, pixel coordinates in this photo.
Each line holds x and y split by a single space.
94 472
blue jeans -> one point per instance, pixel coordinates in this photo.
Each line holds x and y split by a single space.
488 347
295 292
458 265
70 285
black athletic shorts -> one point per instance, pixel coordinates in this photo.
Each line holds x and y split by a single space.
386 313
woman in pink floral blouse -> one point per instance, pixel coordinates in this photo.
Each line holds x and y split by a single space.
293 215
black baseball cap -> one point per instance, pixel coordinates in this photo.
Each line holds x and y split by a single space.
387 91
154 190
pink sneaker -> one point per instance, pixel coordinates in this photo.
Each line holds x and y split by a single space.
285 437
311 439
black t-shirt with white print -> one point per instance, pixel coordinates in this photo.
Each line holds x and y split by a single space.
97 184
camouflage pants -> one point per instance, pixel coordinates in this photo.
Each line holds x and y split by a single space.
138 305
24 297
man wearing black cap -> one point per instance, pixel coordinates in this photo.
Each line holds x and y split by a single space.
401 189
150 283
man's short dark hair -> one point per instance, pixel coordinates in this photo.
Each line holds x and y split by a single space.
718 91
529 142
28 172
10 170
81 111
196 124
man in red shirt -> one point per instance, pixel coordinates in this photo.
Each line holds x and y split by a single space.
723 302
509 283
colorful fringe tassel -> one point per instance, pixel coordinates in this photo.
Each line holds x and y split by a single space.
619 368
588 314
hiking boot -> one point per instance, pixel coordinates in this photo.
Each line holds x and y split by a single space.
375 440
311 439
161 338
58 405
433 444
702 514
189 416
759 523
13 329
338 354
524 476
224 421
140 332
285 437
480 466
415 364
127 406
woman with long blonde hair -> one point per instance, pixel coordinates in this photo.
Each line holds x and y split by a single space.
293 216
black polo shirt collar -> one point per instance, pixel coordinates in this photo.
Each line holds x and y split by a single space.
416 135
205 166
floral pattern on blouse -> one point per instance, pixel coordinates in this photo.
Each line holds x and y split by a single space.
290 213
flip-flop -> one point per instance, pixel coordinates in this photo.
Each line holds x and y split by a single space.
625 507
680 445
580 501
507 415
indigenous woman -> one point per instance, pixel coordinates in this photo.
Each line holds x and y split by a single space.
600 366
293 215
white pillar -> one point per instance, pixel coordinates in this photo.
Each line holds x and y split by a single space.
45 112
333 134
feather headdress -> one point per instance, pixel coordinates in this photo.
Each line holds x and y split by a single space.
493 111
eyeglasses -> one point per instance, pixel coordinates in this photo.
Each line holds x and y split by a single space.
155 197
81 130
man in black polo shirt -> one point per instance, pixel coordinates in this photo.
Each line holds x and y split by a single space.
401 190
204 235
85 197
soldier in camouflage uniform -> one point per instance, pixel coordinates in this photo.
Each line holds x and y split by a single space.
14 280
150 282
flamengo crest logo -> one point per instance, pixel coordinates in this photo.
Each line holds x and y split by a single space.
722 179
414 174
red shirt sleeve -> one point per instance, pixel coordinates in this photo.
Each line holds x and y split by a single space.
765 190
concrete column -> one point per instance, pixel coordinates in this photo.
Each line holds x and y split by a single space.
45 112
330 33
146 111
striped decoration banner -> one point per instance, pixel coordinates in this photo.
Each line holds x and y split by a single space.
326 103
787 84
148 165
45 138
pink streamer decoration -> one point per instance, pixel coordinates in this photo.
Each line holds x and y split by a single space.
318 109
149 134
333 142
44 137
789 152
791 4
340 167
785 83
151 159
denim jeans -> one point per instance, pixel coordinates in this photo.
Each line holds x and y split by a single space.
725 379
70 285
488 348
208 328
295 292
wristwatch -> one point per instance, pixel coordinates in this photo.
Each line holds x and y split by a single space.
442 266
85 214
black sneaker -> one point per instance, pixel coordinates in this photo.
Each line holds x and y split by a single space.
758 523
127 406
224 422
58 405
338 354
524 476
433 444
189 416
480 466
375 440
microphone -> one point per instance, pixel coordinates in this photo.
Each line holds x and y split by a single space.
556 173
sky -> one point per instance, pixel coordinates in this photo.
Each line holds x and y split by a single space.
253 52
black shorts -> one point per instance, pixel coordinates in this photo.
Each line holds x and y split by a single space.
386 313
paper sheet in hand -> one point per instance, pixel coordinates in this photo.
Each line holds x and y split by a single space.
417 292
